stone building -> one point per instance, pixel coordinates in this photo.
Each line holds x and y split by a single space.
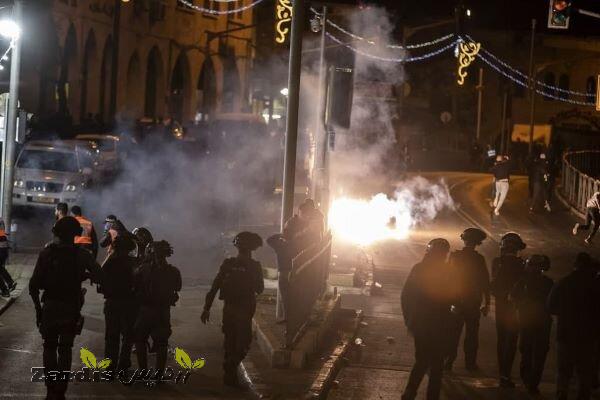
171 61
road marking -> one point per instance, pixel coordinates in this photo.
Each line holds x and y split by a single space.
18 350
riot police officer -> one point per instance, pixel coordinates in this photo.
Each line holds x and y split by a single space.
529 296
156 285
143 238
60 269
238 282
473 280
120 307
507 270
426 301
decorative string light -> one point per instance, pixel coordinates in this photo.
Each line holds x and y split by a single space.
389 59
220 12
390 46
522 74
525 85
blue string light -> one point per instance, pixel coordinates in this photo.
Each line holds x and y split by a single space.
388 59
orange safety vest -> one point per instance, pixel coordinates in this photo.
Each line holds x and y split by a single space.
3 239
86 234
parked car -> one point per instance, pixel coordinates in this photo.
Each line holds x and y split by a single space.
107 151
49 172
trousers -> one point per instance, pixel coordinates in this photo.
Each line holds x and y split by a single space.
237 329
119 318
533 346
429 358
507 331
578 358
501 193
469 319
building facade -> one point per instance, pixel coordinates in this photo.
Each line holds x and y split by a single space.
170 61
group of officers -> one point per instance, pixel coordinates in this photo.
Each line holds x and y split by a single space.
137 282
448 291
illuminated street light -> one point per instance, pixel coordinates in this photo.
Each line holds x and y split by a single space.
9 29
284 92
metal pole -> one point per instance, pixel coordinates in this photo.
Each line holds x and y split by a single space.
11 129
291 136
479 103
114 73
503 132
531 86
320 133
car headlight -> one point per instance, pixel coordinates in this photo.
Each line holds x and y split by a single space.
19 183
70 187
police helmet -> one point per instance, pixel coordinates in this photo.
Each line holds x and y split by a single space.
438 246
538 261
161 249
66 227
473 235
512 242
111 218
143 235
247 241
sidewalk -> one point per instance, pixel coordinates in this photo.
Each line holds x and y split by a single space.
20 267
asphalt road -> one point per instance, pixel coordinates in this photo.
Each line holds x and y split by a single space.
378 369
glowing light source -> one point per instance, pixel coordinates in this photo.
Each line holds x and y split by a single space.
367 221
467 53
284 91
283 16
9 29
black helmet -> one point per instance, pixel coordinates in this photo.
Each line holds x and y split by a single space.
67 227
161 249
539 261
473 235
247 241
512 242
110 218
143 235
438 246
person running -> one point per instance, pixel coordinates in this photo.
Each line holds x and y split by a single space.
501 171
592 217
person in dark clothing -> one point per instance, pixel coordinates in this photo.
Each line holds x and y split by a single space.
7 283
541 181
473 281
426 301
284 249
507 270
238 282
575 301
61 211
59 271
535 322
592 218
143 238
156 284
120 307
501 172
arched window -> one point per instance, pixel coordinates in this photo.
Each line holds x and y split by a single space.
563 83
549 80
591 88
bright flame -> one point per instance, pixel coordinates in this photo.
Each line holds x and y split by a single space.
367 221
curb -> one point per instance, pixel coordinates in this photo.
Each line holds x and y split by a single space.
6 304
326 376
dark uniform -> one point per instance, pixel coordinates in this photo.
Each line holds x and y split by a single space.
156 285
575 300
60 269
120 306
541 181
426 302
535 322
238 282
507 270
473 279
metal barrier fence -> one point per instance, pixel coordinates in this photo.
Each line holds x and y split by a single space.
307 283
577 184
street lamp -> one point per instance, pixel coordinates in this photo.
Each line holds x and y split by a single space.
10 29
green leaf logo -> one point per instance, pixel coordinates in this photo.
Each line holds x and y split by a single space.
104 364
199 363
88 358
183 358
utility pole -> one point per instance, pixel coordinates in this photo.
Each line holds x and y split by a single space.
11 129
532 83
479 103
291 135
114 73
320 133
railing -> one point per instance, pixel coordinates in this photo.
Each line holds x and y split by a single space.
307 283
579 170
